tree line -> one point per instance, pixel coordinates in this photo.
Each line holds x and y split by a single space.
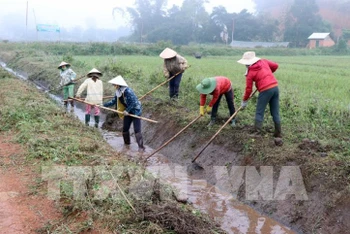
191 23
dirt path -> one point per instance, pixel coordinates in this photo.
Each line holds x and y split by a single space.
21 209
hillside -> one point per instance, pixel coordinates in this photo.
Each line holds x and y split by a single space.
335 12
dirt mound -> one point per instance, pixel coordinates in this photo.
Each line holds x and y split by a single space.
113 122
171 217
312 147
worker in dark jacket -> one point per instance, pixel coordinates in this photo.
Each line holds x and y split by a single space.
260 71
128 103
216 86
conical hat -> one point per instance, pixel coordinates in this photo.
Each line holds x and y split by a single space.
95 72
63 64
167 53
207 85
119 80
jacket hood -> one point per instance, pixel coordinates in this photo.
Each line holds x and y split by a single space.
256 66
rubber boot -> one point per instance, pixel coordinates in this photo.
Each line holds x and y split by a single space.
97 120
257 128
126 137
65 104
87 120
139 141
278 131
233 123
211 123
72 103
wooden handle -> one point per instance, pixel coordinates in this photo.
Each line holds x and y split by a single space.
160 85
171 139
79 78
108 97
217 133
120 112
222 127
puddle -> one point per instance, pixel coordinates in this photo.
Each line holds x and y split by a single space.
233 216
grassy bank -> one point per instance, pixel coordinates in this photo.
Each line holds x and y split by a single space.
51 137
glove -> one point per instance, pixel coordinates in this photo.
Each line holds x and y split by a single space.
244 104
201 110
209 109
125 113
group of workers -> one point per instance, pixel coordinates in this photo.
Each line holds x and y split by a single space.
258 71
125 98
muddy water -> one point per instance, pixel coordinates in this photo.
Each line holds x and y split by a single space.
233 216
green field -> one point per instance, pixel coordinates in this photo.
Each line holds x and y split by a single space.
314 94
304 79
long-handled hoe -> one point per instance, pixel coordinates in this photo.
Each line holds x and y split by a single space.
171 139
61 87
164 82
120 112
195 165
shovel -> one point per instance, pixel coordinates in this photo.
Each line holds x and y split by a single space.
195 165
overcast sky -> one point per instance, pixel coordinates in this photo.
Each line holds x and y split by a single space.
70 13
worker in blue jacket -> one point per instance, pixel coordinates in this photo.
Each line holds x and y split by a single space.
127 103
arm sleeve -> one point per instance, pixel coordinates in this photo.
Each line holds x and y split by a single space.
111 102
81 88
273 66
61 81
183 63
248 88
73 75
165 71
216 95
203 99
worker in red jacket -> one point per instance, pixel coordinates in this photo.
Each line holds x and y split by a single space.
260 71
216 86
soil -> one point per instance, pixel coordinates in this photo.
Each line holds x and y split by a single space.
173 218
310 216
22 210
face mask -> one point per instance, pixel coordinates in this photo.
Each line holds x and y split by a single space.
120 91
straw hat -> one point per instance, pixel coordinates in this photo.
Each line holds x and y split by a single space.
119 80
63 64
248 58
168 53
207 85
94 72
